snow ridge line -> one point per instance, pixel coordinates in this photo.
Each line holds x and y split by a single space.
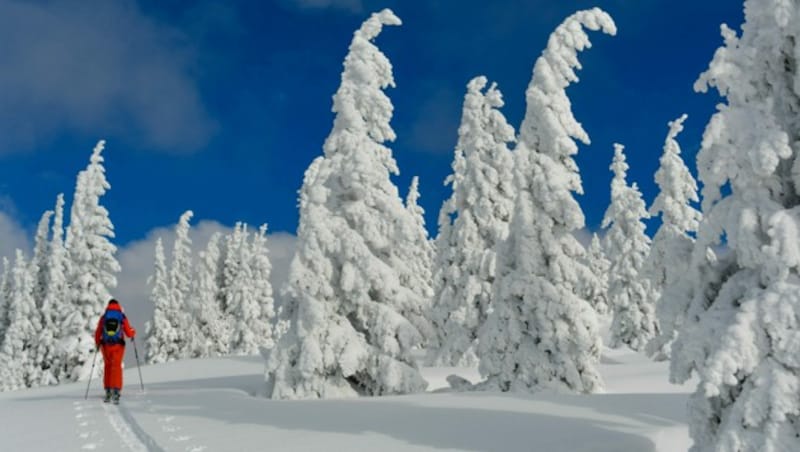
129 431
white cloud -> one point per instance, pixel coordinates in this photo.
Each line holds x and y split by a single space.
97 67
137 259
13 237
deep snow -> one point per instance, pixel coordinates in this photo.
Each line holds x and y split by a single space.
209 405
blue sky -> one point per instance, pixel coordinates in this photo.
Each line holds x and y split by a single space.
219 106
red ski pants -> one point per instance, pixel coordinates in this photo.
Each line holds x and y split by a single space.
112 357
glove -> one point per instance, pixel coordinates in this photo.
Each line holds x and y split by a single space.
133 333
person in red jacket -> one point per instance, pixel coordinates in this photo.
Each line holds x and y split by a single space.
112 328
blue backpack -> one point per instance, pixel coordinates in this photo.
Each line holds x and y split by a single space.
112 327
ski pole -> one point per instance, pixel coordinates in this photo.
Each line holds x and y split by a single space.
94 360
138 367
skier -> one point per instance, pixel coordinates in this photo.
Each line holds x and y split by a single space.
110 334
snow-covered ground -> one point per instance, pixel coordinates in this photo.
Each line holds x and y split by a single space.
209 405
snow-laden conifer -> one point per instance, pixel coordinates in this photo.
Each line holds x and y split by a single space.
541 333
596 288
241 308
214 330
347 335
261 269
671 249
54 300
180 284
40 356
414 262
482 200
93 266
740 336
5 299
234 286
630 294
163 343
18 368
39 261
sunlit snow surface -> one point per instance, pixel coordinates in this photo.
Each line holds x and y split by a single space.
209 405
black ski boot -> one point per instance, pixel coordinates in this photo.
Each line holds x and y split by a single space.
107 398
115 396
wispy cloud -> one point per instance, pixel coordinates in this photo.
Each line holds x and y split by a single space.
96 67
14 237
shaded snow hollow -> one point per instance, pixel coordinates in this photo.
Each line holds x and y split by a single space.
208 405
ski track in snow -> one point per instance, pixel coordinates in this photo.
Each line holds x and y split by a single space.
125 426
86 426
129 431
171 429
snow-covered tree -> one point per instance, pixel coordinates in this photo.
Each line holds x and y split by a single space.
5 299
93 266
261 269
347 335
163 343
414 263
214 330
596 288
741 333
671 249
180 285
234 286
54 300
18 368
241 306
42 353
630 294
482 200
39 261
541 333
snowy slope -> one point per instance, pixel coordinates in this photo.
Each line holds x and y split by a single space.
208 405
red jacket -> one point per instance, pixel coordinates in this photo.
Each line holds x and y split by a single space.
126 327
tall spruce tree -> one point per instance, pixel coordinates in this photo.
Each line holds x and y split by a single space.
596 288
630 294
162 341
54 300
39 262
93 266
414 262
181 273
214 331
40 356
5 299
261 269
541 333
740 334
240 307
344 298
672 245
482 200
18 367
